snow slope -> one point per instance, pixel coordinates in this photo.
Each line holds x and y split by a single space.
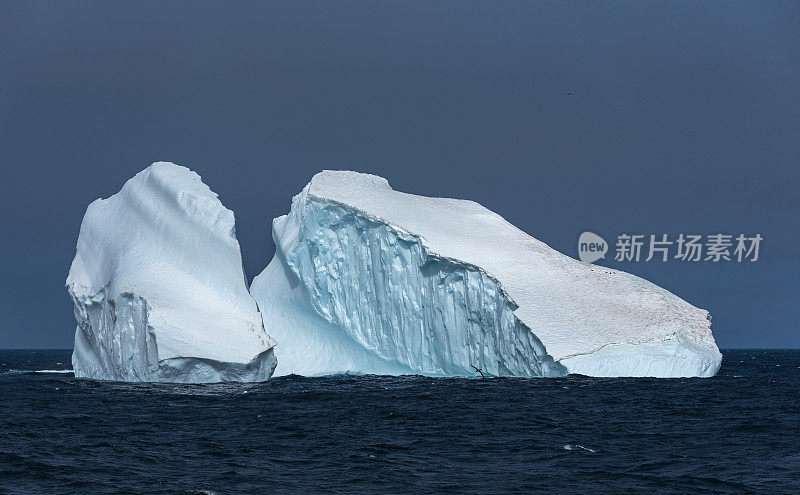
158 287
366 279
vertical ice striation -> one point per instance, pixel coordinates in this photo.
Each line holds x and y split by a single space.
158 287
370 280
433 316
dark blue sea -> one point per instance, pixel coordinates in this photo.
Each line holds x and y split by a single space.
736 433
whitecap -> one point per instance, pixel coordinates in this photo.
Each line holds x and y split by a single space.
578 447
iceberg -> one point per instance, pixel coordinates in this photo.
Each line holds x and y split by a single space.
366 279
158 287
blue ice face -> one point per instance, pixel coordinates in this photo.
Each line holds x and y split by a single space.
432 315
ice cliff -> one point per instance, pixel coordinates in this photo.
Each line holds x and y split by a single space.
366 279
158 287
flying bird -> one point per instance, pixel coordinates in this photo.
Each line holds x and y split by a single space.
479 371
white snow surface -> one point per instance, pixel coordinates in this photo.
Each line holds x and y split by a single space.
366 279
159 290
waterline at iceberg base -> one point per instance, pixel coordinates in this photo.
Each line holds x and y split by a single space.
366 279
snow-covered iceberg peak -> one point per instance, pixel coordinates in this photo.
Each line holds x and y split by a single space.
370 280
159 290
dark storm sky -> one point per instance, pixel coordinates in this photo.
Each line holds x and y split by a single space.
685 118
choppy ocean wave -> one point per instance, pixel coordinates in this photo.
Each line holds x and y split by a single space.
735 433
